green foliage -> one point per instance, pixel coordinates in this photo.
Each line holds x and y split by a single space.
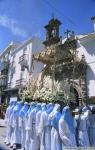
25 95
48 95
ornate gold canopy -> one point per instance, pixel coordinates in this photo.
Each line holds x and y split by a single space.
55 53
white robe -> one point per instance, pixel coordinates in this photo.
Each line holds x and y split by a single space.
17 131
56 141
83 134
42 130
32 127
45 132
77 118
38 134
12 134
38 116
23 131
68 138
55 138
8 125
48 137
92 130
27 130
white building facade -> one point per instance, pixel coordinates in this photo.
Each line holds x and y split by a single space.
22 68
73 59
86 47
4 67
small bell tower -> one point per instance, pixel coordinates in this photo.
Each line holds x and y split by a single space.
52 32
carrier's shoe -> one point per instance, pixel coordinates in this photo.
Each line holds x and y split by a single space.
7 144
14 147
11 146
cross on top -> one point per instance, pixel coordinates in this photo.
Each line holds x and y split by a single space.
67 33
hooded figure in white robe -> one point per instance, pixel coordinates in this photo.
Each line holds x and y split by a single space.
83 129
32 123
92 127
11 119
67 128
9 129
7 117
27 128
55 138
15 124
22 124
77 118
48 127
45 127
39 133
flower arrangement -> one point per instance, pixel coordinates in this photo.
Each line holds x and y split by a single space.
60 92
27 94
47 94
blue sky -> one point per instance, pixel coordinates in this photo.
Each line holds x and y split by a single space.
21 19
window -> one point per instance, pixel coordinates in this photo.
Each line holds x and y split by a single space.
24 50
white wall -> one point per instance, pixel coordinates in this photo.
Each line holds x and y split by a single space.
32 46
88 49
37 66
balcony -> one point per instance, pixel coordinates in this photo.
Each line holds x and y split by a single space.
4 66
3 82
22 58
20 83
12 68
23 62
9 85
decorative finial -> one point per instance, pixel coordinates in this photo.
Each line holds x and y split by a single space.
73 33
83 57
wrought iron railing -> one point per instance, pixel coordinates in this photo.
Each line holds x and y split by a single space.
20 83
4 65
23 62
9 85
3 81
22 58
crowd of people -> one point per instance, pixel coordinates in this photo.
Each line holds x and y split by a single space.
41 126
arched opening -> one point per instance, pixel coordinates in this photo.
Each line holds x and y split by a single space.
76 95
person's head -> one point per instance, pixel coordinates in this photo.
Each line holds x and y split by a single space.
93 110
39 105
86 108
87 113
43 106
57 107
49 105
75 112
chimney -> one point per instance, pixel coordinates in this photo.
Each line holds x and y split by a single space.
93 19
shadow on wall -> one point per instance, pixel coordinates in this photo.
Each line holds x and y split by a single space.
90 47
90 76
37 69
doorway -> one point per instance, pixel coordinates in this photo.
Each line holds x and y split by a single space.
76 95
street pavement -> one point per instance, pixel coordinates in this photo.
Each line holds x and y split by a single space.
2 135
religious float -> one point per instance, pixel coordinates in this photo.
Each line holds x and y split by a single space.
63 77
